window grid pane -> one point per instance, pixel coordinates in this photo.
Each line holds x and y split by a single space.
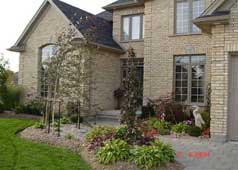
126 28
181 90
190 79
132 27
182 14
198 7
47 53
135 30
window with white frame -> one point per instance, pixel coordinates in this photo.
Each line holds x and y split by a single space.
186 11
132 27
190 79
47 52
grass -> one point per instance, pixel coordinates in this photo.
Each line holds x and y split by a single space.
19 154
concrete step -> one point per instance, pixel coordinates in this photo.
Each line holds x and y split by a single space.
109 114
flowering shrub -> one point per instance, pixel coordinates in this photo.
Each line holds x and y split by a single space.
167 109
99 141
188 122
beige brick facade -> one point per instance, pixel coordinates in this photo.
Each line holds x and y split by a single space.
43 32
158 48
107 71
161 45
224 43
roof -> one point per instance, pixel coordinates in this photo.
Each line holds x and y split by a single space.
123 3
106 15
92 27
218 12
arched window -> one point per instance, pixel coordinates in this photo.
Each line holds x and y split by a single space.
47 52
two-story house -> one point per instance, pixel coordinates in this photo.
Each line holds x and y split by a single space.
182 46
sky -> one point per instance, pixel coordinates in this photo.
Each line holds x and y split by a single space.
16 14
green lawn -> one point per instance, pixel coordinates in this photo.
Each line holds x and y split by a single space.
19 154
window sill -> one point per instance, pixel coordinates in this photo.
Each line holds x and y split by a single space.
193 104
132 41
187 34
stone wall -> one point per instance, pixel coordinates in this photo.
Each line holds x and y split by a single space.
224 43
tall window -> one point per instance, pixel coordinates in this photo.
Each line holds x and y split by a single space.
190 79
132 27
186 11
47 53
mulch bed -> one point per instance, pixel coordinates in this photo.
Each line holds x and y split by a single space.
77 145
9 114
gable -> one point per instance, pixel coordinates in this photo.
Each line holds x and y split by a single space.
93 25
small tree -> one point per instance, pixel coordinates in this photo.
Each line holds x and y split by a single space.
130 98
70 72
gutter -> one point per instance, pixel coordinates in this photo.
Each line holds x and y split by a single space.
210 19
123 5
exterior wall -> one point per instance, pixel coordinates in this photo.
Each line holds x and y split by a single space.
161 45
43 32
107 80
117 18
224 43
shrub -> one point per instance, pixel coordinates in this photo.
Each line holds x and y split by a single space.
206 117
149 157
33 107
166 108
113 151
12 97
194 131
206 132
74 118
72 108
65 120
55 124
121 133
162 126
145 140
180 128
99 141
1 107
39 125
98 132
69 136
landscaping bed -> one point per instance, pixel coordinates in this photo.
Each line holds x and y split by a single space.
74 140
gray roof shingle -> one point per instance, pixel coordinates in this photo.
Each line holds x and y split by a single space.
105 15
95 28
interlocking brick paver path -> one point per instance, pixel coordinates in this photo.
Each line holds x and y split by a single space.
202 154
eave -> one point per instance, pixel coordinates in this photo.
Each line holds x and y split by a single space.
16 49
103 47
206 22
124 5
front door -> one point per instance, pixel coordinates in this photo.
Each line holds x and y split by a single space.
233 99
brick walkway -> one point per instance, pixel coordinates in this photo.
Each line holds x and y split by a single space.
201 154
